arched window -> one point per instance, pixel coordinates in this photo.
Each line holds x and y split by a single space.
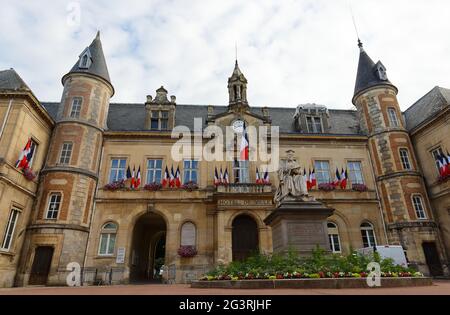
418 207
188 234
107 239
333 237
368 235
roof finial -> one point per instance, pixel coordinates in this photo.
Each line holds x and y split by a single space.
98 35
360 45
236 56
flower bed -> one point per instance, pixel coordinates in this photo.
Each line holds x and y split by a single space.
318 266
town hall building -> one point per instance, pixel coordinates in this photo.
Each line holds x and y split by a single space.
72 200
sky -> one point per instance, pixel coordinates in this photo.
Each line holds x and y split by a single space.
291 51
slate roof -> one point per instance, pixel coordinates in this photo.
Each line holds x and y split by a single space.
10 80
426 107
98 66
131 117
366 76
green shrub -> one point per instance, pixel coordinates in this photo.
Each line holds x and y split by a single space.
319 265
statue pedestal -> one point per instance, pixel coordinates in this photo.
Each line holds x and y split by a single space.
300 225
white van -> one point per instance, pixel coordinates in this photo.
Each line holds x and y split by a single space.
395 252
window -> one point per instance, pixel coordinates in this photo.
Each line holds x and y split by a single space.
154 171
322 172
117 170
33 152
355 172
159 120
418 207
84 61
437 153
404 157
393 120
240 171
368 236
333 237
188 234
10 228
76 107
66 153
54 203
190 171
107 239
314 124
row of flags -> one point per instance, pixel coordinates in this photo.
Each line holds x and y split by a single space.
222 177
26 155
340 179
264 179
444 164
171 180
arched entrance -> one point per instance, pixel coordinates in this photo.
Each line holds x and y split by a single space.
244 237
148 249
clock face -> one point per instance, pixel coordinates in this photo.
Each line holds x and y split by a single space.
238 126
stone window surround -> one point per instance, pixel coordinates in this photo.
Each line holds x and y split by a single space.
439 149
4 248
147 158
329 168
107 231
111 158
76 111
47 208
405 160
68 153
334 231
365 229
422 205
360 161
394 121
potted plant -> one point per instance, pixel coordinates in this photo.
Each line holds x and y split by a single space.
327 187
29 174
359 187
153 186
187 251
120 184
190 186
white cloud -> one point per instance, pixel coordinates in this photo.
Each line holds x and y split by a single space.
290 51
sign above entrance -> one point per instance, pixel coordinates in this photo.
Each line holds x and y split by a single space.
120 259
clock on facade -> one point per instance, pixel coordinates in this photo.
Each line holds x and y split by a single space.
238 126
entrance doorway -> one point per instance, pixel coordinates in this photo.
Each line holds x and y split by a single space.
244 237
148 249
41 265
432 259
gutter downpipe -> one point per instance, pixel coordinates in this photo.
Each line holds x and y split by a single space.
93 209
378 198
6 118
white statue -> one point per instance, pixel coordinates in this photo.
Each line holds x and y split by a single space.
292 183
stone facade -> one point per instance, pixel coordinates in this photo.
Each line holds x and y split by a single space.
122 236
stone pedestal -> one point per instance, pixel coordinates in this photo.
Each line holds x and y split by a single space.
300 225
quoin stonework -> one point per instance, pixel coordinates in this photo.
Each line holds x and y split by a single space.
75 201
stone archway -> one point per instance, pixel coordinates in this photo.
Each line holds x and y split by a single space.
148 247
245 240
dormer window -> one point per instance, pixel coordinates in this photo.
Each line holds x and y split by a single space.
314 124
85 59
160 120
381 71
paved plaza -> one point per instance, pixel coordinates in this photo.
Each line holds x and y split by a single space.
440 287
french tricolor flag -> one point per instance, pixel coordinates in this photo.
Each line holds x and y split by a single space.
26 155
244 145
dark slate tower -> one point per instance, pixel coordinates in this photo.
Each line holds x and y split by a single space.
62 215
406 208
237 89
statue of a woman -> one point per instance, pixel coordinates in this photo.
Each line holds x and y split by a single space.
292 181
